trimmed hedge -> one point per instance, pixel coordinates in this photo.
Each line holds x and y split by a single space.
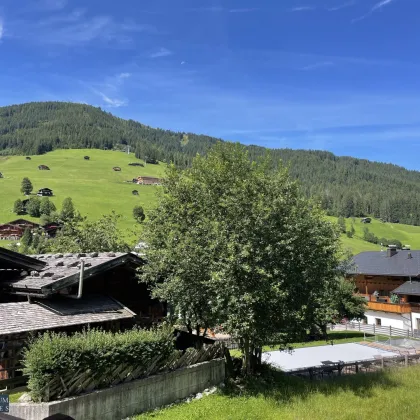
53 354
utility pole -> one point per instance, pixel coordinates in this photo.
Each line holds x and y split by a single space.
128 149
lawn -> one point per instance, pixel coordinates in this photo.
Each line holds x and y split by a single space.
385 395
92 184
337 337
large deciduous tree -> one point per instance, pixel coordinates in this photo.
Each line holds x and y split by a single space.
233 243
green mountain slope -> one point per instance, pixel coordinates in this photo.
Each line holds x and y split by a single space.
345 186
92 184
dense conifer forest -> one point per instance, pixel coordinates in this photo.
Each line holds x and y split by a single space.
345 186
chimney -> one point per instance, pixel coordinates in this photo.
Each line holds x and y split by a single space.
391 251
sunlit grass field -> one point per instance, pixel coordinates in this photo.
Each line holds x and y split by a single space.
92 184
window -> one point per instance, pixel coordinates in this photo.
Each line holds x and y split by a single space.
378 322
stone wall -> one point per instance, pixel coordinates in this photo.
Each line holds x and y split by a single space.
131 398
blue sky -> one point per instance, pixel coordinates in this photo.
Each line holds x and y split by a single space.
337 75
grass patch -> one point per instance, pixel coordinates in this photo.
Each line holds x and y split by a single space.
338 337
13 398
389 394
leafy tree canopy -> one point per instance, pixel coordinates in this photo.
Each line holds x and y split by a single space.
233 243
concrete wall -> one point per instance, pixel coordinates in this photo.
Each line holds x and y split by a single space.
128 399
389 319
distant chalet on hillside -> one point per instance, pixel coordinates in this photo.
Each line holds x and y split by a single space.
147 180
43 168
14 230
117 168
45 192
366 220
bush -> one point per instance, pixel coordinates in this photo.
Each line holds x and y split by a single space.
57 354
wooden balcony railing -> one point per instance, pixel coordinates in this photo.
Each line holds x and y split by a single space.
397 308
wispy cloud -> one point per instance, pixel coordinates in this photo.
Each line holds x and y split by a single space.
52 4
76 28
302 9
1 28
113 103
341 6
245 10
163 52
375 7
318 65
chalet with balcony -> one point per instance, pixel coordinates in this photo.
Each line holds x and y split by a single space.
390 282
15 229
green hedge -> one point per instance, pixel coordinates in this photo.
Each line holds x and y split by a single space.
53 354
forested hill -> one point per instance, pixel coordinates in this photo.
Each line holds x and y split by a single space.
345 186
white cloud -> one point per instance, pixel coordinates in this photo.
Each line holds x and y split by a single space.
303 9
1 28
381 4
113 103
163 52
76 28
244 10
341 6
374 8
122 76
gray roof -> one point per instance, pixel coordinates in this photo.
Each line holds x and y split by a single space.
10 260
378 263
63 270
408 288
44 314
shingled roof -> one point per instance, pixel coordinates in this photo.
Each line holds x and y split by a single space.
408 288
10 260
63 270
45 314
403 263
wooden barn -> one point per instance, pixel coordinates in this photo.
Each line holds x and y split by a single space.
117 168
147 180
68 293
43 168
45 192
14 230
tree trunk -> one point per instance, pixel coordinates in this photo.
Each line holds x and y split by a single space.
246 367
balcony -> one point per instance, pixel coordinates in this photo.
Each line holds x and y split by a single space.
396 308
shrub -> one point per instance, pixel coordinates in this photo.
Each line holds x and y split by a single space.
56 354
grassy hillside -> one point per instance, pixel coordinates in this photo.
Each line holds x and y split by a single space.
96 190
344 185
407 234
92 184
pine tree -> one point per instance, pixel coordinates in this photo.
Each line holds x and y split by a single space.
26 239
47 206
26 187
342 224
67 210
18 207
33 207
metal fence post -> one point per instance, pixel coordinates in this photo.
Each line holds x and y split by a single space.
390 331
373 329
